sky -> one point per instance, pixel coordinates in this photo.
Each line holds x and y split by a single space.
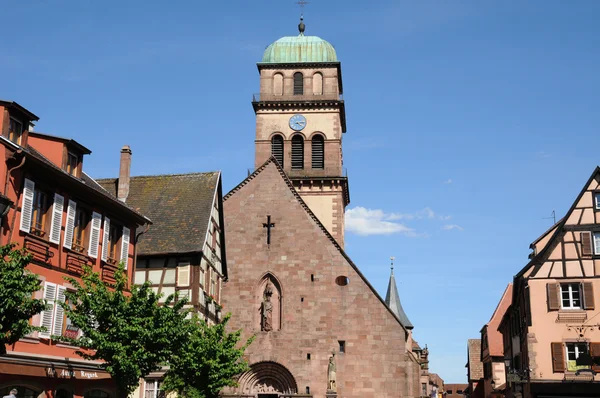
469 122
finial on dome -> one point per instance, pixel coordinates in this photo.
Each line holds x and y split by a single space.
301 26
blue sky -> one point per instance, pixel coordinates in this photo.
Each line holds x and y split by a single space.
468 121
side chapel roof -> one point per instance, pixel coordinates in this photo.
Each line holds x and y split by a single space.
312 215
392 299
180 206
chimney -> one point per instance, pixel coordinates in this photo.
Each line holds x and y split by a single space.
124 174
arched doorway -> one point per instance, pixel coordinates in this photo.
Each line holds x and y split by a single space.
267 380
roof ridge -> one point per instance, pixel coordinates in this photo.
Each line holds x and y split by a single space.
165 175
314 218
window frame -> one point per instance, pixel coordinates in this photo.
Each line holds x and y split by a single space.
299 139
298 84
19 136
155 390
596 200
83 247
595 243
570 298
274 138
576 352
115 229
40 212
71 168
317 161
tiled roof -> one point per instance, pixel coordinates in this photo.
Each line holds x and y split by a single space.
179 206
495 343
475 365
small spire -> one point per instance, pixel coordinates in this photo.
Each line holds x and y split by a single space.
301 26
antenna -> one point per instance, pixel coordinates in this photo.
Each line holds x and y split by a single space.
552 216
302 3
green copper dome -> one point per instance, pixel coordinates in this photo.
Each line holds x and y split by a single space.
296 49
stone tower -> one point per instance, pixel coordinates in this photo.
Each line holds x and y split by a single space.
300 119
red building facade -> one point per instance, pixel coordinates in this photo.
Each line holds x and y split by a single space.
66 221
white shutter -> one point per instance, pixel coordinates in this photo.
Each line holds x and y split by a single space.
57 216
70 227
59 312
27 205
95 235
183 275
46 317
125 246
106 229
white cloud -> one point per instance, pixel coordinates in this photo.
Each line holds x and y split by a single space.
448 181
543 155
450 227
418 215
363 221
445 218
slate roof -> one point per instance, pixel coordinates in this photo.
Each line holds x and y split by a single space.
315 219
179 206
474 364
392 299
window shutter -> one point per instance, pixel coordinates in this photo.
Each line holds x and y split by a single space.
277 148
106 229
95 235
27 205
59 312
586 243
183 275
46 317
595 354
588 296
70 227
57 216
298 83
125 246
318 154
558 357
297 152
553 302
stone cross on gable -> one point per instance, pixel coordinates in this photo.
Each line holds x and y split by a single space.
268 225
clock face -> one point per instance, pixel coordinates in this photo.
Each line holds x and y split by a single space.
297 122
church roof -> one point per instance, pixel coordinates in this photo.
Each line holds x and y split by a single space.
392 299
312 215
179 205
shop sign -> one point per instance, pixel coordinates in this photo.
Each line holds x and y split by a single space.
71 332
70 374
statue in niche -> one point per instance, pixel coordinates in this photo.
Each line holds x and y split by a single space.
267 309
331 385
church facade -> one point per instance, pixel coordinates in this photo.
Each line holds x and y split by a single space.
321 329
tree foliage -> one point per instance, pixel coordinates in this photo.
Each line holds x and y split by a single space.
207 362
129 331
17 305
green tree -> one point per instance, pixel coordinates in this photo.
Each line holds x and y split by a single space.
17 305
130 332
207 362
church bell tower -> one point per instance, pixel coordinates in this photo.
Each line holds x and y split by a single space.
300 120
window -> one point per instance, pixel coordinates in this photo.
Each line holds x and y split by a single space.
459 391
72 164
297 152
277 148
53 317
278 84
40 207
570 295
22 392
597 243
113 240
298 83
318 153
424 389
82 218
152 389
573 352
317 84
342 344
15 131
213 283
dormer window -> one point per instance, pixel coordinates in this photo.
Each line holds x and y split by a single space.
73 164
15 131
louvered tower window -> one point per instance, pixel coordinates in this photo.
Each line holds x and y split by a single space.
277 148
318 152
298 83
297 152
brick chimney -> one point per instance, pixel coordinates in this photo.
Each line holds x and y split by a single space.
124 174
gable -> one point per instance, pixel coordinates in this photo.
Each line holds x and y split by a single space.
268 191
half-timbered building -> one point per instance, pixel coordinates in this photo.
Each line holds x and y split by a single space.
551 331
52 208
183 252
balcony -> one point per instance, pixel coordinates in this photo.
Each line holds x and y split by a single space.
325 96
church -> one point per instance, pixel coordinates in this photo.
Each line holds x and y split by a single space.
321 328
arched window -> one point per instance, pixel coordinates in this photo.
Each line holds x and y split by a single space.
318 84
277 148
298 83
278 84
318 152
297 152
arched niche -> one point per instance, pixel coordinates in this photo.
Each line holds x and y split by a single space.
267 377
269 304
